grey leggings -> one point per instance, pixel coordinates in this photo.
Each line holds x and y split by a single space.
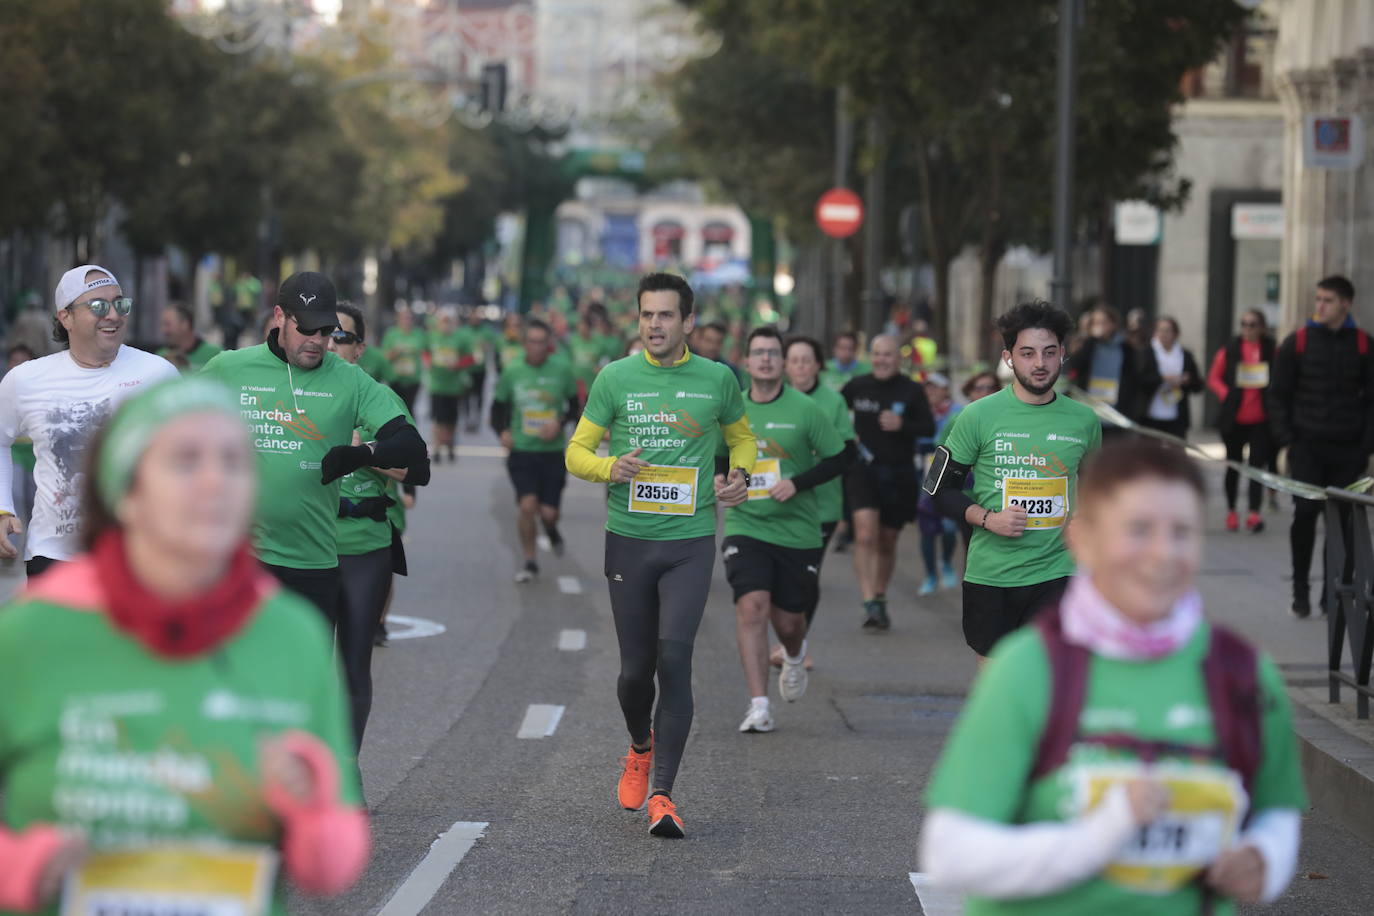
658 594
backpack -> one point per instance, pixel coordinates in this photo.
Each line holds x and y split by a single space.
1230 671
1361 341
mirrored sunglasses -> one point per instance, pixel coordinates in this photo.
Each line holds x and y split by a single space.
101 307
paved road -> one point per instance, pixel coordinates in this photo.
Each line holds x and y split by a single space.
820 816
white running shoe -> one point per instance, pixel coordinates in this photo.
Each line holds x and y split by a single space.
792 679
526 573
758 720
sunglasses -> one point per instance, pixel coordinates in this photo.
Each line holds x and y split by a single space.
322 331
345 338
101 307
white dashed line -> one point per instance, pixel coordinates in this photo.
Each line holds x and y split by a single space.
569 585
936 901
443 857
481 451
541 720
572 640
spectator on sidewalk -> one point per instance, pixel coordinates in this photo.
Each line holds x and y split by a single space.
1239 378
1321 406
1168 409
1110 369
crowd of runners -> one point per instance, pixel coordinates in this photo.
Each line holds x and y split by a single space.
195 521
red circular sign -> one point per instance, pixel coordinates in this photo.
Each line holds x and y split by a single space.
839 213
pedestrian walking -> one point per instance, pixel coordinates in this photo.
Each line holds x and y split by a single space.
1239 377
1169 409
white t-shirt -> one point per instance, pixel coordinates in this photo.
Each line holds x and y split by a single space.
59 404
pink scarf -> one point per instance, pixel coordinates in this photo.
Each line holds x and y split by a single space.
1089 620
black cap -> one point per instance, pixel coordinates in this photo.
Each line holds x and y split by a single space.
311 298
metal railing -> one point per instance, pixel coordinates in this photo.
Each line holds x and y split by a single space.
1349 594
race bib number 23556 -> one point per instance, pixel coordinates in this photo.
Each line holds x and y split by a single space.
664 490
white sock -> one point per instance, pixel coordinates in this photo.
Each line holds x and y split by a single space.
796 660
759 702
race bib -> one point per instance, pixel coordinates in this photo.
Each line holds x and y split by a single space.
1206 804
172 881
1104 389
1045 499
532 422
445 359
767 471
664 490
1252 375
405 366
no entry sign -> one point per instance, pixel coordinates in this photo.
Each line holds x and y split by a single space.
839 213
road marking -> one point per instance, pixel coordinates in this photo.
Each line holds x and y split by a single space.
569 585
411 627
481 451
541 720
443 857
936 901
572 640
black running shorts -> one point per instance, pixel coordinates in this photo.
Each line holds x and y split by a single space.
991 612
540 473
891 489
790 575
444 408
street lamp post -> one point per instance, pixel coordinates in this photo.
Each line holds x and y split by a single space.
1061 286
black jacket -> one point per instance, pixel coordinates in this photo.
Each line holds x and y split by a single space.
867 396
1325 393
1226 420
1195 383
1139 376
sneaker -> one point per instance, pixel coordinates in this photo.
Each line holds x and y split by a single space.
1253 523
949 578
793 679
663 819
1302 605
775 659
1232 521
842 542
634 778
758 720
527 572
930 586
379 637
555 540
877 618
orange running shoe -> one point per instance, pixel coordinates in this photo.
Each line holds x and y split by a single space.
634 778
663 819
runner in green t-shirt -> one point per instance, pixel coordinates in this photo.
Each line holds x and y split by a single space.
845 362
450 359
181 712
1101 765
303 404
665 410
1023 446
534 399
404 346
479 344
367 542
182 346
772 548
586 353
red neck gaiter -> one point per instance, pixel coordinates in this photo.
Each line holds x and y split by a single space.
177 629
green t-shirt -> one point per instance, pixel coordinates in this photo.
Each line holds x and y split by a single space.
403 350
537 395
200 354
586 354
1038 448
610 346
988 758
830 495
292 431
445 353
363 535
793 435
834 378
81 748
375 365
21 453
673 413
509 351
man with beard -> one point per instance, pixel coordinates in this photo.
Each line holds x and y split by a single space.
58 401
302 405
1023 445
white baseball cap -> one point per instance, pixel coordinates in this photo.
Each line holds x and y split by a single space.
73 284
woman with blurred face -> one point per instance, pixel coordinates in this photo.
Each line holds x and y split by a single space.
1239 378
182 714
1168 411
1121 754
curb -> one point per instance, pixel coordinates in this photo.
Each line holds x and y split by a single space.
1337 768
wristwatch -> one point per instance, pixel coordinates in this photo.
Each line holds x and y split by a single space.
747 479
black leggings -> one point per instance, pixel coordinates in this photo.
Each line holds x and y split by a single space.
1257 436
1326 464
827 532
406 391
658 594
366 582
